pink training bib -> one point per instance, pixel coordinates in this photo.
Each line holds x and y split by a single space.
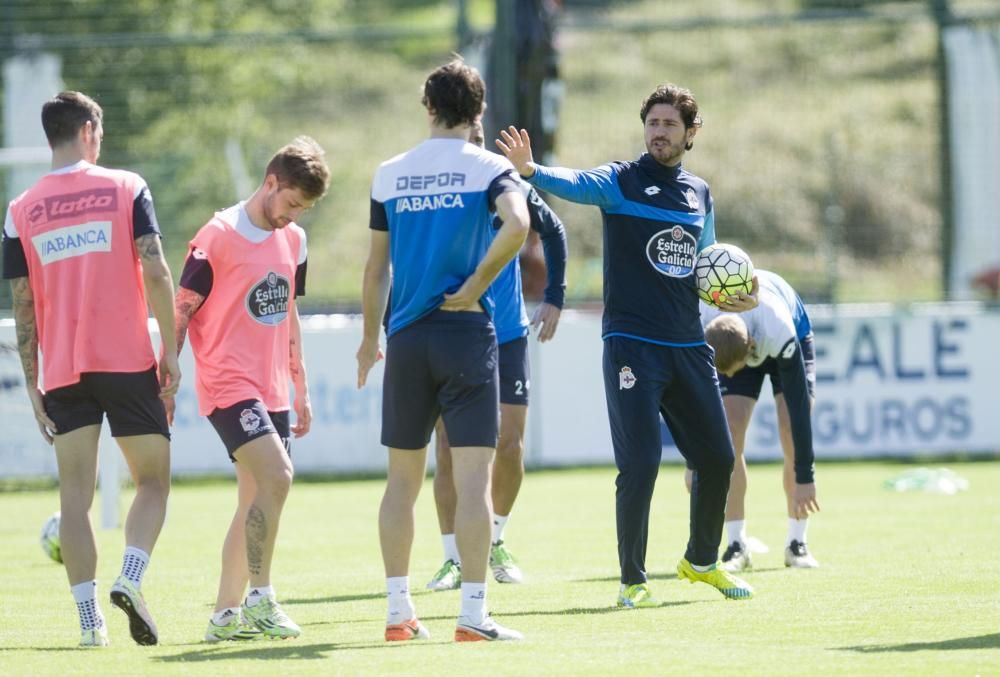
240 335
90 304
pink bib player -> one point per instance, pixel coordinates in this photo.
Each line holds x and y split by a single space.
90 303
240 335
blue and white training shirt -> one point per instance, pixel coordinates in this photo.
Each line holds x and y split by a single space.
435 201
656 220
511 318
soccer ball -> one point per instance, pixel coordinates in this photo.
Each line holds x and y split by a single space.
721 271
50 538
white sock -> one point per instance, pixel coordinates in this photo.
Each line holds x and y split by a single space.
85 595
134 564
499 522
702 568
259 593
450 548
222 617
737 530
797 530
473 603
400 604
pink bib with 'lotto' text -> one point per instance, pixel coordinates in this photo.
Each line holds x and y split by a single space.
90 303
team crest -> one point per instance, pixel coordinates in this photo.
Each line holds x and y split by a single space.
692 198
626 379
249 421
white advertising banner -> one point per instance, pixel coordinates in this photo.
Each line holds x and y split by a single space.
888 383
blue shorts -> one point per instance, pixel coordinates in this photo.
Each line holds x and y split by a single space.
444 364
247 420
515 374
749 380
131 401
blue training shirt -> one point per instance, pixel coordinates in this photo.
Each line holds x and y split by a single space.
435 202
656 220
511 318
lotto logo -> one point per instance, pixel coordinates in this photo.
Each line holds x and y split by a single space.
36 212
73 205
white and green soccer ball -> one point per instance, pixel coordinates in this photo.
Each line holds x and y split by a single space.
50 538
721 271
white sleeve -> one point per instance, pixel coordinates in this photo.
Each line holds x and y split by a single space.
776 329
9 231
303 249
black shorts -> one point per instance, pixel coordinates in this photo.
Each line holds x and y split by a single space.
131 401
246 421
515 374
444 364
749 380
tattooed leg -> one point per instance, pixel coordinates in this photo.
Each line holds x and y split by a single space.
267 462
256 538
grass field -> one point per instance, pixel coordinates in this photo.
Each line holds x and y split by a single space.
907 585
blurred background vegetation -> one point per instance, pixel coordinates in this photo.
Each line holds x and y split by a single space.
821 139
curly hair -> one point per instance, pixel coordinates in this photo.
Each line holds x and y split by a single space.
680 98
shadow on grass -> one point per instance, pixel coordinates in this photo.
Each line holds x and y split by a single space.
957 644
265 650
673 576
587 611
617 579
335 598
574 611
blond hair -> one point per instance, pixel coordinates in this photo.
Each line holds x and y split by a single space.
730 339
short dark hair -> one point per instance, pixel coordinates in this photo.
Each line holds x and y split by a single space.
454 93
64 114
301 164
680 98
729 338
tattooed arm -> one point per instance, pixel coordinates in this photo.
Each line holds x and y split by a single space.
297 368
186 304
27 346
160 293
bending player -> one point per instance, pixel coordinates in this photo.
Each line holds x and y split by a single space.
511 321
773 340
237 296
